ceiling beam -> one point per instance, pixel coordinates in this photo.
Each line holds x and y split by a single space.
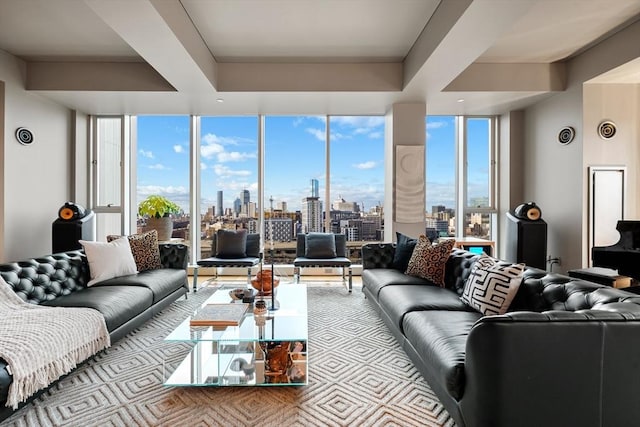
443 19
164 36
478 27
484 77
314 77
95 76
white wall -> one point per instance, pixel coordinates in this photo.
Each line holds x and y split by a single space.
619 103
36 178
553 173
555 176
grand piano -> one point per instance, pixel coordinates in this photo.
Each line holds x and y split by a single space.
623 256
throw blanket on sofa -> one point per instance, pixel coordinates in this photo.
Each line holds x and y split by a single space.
40 344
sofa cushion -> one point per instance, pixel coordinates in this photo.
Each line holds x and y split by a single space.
404 249
162 282
144 248
118 304
491 285
231 244
377 278
428 261
398 300
108 260
320 245
440 338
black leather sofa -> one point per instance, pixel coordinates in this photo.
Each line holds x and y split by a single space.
126 302
566 354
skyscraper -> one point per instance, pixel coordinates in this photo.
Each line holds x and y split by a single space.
245 196
315 190
219 208
311 214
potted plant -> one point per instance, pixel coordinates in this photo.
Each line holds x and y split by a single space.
157 209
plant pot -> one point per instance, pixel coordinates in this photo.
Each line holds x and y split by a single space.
163 225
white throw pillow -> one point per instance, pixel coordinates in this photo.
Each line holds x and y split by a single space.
491 286
109 260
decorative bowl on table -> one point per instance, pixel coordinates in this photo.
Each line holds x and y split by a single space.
262 282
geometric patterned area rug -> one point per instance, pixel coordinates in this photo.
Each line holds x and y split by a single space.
358 376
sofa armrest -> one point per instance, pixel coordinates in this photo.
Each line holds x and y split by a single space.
378 255
574 368
174 255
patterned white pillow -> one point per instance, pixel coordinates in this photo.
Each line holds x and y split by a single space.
491 287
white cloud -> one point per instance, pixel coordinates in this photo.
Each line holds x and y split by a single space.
436 124
234 156
214 146
375 135
178 148
212 138
319 134
365 165
359 122
147 154
210 150
158 166
203 166
224 171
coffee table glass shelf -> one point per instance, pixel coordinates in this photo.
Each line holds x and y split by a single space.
262 351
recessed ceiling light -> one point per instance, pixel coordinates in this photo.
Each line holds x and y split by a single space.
460 100
220 100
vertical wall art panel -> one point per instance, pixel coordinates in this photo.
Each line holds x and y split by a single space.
409 188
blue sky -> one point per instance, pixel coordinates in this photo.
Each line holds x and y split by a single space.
294 154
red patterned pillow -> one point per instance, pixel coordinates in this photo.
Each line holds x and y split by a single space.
144 248
428 261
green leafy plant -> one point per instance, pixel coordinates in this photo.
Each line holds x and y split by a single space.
156 206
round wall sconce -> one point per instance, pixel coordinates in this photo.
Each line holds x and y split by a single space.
607 129
566 135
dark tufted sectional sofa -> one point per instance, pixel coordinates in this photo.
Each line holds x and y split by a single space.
566 354
126 302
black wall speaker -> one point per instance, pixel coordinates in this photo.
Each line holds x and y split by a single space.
24 136
566 135
526 241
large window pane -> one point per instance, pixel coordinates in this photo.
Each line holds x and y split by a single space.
294 180
478 162
441 176
357 180
163 165
229 176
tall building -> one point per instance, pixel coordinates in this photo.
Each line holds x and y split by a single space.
237 206
245 197
281 206
220 209
311 214
315 188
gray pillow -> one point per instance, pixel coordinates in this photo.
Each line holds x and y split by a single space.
253 245
320 245
231 243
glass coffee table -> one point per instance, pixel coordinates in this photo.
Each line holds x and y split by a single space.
261 351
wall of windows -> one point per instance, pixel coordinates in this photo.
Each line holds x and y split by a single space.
264 174
460 163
